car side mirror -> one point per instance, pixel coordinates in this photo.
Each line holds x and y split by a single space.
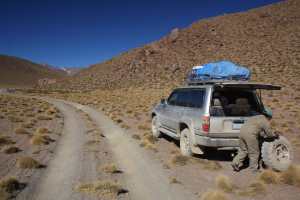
163 101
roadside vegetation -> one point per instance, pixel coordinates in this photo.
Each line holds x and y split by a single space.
24 135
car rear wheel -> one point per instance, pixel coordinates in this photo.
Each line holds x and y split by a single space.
277 154
185 142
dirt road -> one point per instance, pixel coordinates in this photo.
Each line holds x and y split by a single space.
70 165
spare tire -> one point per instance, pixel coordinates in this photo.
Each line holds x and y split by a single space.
277 153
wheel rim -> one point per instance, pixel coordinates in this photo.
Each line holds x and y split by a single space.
185 143
282 153
154 127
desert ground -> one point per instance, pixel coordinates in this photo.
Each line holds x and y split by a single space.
90 155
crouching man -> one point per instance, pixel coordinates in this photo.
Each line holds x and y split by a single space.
249 140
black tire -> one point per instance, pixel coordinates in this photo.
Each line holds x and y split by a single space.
154 128
277 154
185 142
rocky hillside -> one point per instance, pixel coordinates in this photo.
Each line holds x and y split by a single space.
265 40
18 72
64 70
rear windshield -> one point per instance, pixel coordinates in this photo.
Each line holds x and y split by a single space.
237 103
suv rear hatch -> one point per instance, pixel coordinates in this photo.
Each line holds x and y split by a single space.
241 96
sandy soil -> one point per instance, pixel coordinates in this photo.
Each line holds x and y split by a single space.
143 174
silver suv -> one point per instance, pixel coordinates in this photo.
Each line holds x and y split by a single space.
208 113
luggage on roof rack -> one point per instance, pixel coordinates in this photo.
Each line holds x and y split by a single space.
218 72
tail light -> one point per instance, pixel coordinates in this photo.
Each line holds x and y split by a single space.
205 124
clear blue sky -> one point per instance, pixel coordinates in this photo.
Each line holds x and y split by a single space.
73 33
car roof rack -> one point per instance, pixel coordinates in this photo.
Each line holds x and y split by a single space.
204 79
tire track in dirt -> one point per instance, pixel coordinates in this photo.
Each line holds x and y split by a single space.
68 166
143 178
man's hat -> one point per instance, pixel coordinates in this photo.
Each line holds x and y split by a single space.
268 112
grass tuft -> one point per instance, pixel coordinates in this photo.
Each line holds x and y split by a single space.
214 195
7 186
224 183
27 163
43 117
92 142
173 180
108 168
43 130
10 150
257 188
20 130
268 176
40 139
291 176
102 189
213 166
5 139
180 160
143 126
136 136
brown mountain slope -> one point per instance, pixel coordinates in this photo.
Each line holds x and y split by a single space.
265 40
18 72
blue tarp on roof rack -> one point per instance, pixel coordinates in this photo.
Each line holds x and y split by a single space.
220 69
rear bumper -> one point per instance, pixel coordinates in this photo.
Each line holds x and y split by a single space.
216 142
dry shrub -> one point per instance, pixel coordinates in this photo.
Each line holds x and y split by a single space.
150 146
20 130
144 142
214 195
136 136
102 189
173 180
291 176
148 120
180 160
30 115
268 176
117 120
108 168
92 150
257 188
7 186
32 121
14 119
213 166
273 123
5 139
56 115
9 150
125 125
43 130
90 123
43 117
96 132
26 125
4 195
40 139
48 112
143 126
27 163
288 130
224 183
92 142
150 137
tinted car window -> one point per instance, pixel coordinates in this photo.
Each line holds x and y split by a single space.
196 98
173 98
182 98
